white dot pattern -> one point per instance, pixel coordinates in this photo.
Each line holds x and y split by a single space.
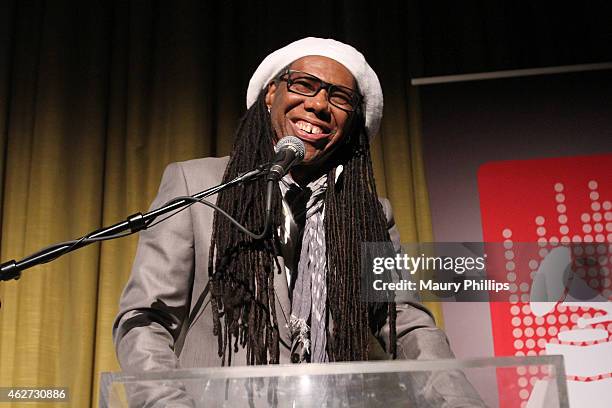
531 333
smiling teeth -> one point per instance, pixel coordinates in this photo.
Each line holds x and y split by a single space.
308 127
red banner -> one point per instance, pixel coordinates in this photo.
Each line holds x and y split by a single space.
554 203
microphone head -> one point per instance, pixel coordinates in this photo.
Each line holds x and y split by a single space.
293 143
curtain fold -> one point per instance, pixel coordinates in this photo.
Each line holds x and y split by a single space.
95 100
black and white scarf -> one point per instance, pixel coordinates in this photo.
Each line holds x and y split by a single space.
307 324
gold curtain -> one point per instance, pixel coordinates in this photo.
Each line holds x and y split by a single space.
94 102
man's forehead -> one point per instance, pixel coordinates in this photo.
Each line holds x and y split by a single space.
326 68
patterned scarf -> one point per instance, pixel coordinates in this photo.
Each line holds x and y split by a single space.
309 295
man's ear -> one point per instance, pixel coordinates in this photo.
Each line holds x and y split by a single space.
271 93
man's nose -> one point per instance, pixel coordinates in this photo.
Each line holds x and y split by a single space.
318 103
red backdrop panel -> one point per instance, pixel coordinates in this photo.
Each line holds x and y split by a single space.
545 202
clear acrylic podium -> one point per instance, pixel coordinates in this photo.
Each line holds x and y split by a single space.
522 382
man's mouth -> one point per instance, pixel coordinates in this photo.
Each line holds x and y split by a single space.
310 132
308 127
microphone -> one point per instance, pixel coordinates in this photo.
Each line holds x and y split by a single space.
289 152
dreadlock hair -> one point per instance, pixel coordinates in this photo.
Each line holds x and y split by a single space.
241 270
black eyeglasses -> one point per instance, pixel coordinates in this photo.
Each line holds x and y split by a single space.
303 83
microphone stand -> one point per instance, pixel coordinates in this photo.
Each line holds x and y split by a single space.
134 223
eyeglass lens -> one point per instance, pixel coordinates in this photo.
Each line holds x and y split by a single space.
310 85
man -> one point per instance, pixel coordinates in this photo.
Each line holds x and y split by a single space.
202 293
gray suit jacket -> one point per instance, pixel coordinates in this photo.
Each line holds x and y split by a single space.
165 322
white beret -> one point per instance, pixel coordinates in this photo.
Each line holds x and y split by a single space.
348 56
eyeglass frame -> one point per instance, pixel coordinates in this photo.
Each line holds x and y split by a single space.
327 86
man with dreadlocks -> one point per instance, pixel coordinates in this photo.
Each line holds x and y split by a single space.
203 293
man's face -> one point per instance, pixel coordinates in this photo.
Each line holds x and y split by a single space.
319 124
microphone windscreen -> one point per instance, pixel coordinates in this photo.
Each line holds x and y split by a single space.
293 142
